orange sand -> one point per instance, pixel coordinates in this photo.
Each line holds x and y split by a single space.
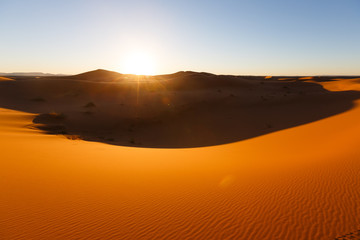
298 183
6 79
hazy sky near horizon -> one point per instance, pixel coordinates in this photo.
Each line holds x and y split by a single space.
258 37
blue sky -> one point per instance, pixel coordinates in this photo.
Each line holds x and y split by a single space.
258 37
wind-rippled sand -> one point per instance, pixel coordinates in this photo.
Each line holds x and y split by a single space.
298 183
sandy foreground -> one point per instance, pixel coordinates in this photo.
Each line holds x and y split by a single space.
301 182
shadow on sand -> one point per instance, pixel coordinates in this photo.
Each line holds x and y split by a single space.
182 110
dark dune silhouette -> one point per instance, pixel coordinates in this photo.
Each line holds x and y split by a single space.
98 75
180 110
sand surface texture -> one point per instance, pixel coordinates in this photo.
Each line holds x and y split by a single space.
167 160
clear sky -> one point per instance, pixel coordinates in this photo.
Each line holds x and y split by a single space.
258 37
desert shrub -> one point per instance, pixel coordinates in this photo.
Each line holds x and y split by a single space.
74 137
50 118
56 115
90 105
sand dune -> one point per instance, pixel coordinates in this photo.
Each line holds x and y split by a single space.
180 110
6 79
299 181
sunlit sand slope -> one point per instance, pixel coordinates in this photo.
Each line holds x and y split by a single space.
298 183
5 79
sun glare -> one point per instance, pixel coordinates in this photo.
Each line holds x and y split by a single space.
139 64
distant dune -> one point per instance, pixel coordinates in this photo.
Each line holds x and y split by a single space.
180 110
99 75
31 74
104 155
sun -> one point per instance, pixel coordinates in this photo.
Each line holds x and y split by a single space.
138 63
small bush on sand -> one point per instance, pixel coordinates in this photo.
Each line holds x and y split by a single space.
50 118
57 116
73 137
90 105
